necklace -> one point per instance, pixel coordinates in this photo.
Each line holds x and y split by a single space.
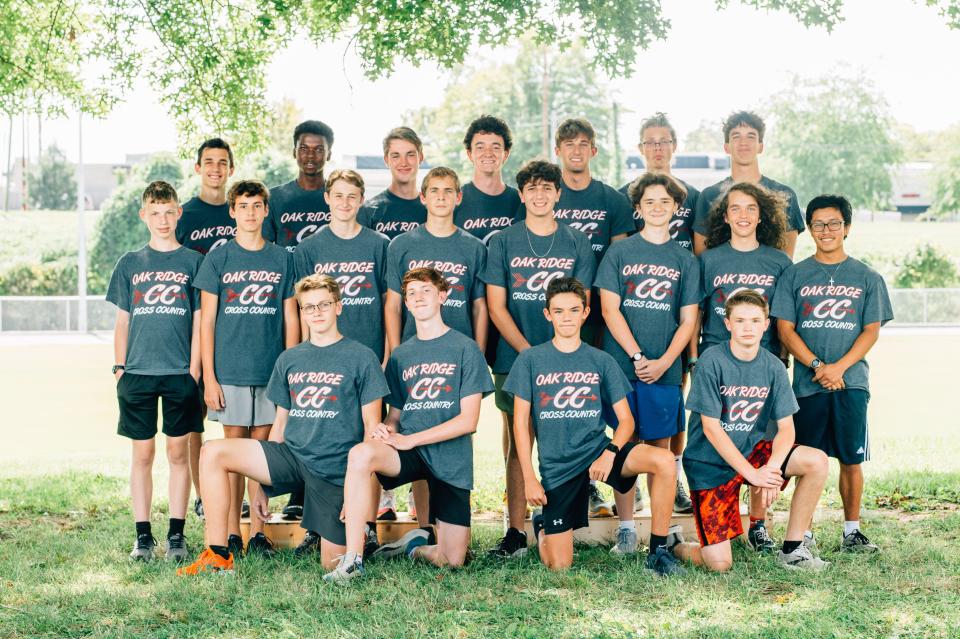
553 239
827 273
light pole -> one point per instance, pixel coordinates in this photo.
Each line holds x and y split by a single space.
81 234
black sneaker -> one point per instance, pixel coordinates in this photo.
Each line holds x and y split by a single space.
176 548
235 545
143 548
259 544
856 541
309 545
512 544
244 509
198 507
294 508
663 563
759 539
372 543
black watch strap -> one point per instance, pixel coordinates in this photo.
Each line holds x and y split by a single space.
118 367
613 448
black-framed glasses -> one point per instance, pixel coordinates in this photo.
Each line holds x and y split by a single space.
310 309
655 144
833 225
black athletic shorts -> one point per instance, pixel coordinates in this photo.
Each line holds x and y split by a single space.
568 505
322 500
448 504
836 423
138 395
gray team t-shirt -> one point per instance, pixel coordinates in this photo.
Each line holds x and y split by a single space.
708 196
427 379
567 392
325 388
598 211
391 214
203 227
482 215
251 287
295 214
744 396
524 264
830 318
359 265
654 281
681 225
725 271
156 288
460 257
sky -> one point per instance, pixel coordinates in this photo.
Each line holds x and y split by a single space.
722 60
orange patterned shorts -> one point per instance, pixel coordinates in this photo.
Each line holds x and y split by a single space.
716 511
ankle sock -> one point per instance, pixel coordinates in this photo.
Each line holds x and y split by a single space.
176 527
657 541
850 526
679 460
143 528
628 525
790 546
221 551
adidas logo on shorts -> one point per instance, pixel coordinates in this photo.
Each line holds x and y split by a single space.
861 451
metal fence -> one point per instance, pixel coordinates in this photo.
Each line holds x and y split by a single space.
911 306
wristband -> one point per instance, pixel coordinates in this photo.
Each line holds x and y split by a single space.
691 363
613 448
118 367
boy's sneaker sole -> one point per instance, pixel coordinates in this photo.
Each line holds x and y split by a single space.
397 548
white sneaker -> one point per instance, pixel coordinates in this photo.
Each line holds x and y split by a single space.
626 542
674 536
350 567
810 541
801 559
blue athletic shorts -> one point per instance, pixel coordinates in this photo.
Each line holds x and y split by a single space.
657 410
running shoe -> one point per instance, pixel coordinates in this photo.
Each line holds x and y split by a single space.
388 507
662 562
856 541
143 548
512 544
350 567
176 548
310 544
598 506
760 540
398 547
801 559
681 502
208 562
198 507
261 545
372 543
235 545
626 542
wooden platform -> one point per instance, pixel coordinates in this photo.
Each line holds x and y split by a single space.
602 530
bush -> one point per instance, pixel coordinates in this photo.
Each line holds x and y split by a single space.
927 267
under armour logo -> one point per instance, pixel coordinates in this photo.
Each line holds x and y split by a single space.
557 522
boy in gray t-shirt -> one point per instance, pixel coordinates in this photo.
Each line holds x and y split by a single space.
737 388
437 380
830 308
156 356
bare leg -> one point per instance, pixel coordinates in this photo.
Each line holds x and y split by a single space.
141 477
451 547
851 490
259 433
678 442
716 557
516 499
194 442
556 551
625 503
663 442
364 459
236 481
810 466
219 461
661 471
330 554
421 495
179 484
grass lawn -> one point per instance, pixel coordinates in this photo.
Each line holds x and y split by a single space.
65 529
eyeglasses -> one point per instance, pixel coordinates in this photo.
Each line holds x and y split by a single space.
310 309
655 144
833 225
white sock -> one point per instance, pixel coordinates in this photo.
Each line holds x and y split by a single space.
850 526
808 533
679 460
628 525
352 557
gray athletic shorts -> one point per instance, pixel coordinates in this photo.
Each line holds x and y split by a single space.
244 406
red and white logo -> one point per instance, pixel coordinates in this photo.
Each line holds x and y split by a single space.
831 307
539 281
259 294
351 285
166 294
651 288
314 396
745 411
568 397
587 228
429 388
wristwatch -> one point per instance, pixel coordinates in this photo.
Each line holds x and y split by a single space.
637 356
691 363
613 448
118 367
816 363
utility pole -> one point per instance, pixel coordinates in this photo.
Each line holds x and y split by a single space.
81 234
617 159
9 173
545 105
23 162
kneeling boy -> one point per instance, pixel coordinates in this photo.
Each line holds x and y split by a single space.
566 382
737 389
437 379
327 391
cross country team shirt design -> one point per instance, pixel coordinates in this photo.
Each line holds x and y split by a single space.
156 289
461 259
391 214
710 195
203 227
483 215
830 317
427 380
524 264
251 287
681 225
325 388
654 281
359 266
295 214
744 396
598 211
726 271
567 393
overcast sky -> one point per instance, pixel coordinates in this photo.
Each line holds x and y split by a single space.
722 60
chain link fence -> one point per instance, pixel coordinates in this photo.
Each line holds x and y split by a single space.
911 307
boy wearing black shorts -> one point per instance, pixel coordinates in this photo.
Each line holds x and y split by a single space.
248 316
437 380
156 352
829 311
397 209
521 262
560 388
738 387
327 391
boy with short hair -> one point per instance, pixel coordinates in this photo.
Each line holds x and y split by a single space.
155 343
829 311
521 262
205 225
437 379
327 391
649 292
737 389
298 208
249 315
567 384
743 142
398 208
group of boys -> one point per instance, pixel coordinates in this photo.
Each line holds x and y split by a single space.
344 346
